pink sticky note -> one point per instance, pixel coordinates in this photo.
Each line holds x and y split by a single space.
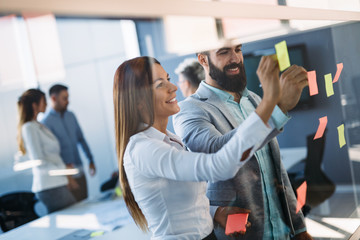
321 129
313 87
301 196
338 71
236 223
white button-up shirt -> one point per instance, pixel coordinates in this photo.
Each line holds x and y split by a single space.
168 183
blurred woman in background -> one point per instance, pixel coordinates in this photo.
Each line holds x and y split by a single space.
38 143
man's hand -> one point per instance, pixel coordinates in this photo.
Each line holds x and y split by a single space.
292 82
72 184
92 169
268 73
222 213
303 236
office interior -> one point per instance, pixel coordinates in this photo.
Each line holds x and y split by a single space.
90 46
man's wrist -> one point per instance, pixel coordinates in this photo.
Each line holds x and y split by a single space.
282 108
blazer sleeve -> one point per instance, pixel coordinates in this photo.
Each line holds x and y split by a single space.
155 158
194 126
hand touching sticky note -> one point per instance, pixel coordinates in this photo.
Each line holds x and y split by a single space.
301 196
236 223
282 55
321 129
338 71
341 134
329 85
313 87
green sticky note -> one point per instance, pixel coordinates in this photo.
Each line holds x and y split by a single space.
329 85
118 191
342 141
97 233
282 55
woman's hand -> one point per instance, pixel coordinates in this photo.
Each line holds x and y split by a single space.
222 213
303 236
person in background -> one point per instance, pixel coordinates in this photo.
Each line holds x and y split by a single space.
164 185
208 120
66 128
38 143
190 73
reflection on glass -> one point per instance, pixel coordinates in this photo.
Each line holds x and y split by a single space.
19 166
63 172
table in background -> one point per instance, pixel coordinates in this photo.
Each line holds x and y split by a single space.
109 216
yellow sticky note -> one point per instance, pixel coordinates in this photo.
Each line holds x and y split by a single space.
97 233
118 191
342 141
282 55
329 85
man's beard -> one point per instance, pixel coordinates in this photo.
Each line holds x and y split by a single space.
232 83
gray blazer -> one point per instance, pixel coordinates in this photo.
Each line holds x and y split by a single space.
205 125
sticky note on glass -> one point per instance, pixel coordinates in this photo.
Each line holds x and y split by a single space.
340 67
301 196
329 85
97 234
118 191
282 55
313 87
341 134
236 223
321 129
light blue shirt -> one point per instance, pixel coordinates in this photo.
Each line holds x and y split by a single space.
274 227
67 130
168 183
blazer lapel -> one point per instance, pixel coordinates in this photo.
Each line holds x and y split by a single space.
206 95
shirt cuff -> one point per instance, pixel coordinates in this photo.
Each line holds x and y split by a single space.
300 230
279 119
213 211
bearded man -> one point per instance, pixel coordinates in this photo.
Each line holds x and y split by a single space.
207 120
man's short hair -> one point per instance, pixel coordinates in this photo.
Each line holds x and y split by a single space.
56 89
207 53
192 71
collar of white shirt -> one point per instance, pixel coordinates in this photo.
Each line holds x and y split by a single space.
168 137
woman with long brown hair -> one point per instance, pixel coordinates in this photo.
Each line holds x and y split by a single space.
38 143
163 185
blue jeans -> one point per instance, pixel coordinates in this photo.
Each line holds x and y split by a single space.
56 198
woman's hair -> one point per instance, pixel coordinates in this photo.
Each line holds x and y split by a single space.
133 101
26 112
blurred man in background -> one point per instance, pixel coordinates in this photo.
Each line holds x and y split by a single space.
66 128
190 73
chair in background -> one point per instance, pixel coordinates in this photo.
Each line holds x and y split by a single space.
17 209
319 186
111 183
